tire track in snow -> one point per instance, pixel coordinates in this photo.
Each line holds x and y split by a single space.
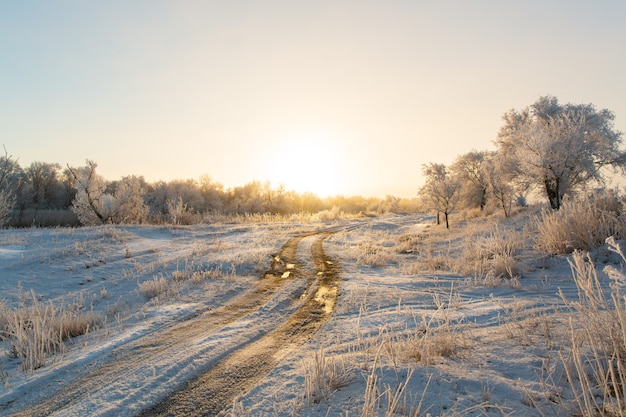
236 374
224 344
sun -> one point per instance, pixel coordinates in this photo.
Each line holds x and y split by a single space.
307 162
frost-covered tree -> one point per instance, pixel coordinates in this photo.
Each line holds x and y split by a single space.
8 186
560 148
91 204
98 202
275 200
128 206
212 193
503 188
472 169
390 204
246 199
442 191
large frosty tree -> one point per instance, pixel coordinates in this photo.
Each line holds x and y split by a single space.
560 148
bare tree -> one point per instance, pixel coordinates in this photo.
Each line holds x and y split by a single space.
44 188
442 191
560 147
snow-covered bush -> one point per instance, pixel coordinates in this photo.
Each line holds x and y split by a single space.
579 225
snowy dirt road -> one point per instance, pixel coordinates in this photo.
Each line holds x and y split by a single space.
198 366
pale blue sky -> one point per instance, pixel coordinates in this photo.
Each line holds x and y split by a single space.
177 89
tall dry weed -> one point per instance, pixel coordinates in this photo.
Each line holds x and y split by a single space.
391 400
595 366
323 375
38 330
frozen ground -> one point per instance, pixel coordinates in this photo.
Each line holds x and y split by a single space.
407 337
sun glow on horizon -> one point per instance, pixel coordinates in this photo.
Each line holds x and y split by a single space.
307 162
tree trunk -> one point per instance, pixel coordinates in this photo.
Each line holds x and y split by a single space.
447 224
553 192
504 207
483 198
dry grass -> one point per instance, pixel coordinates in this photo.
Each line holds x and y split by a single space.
38 330
492 256
433 337
579 225
323 375
301 217
374 254
391 401
198 273
595 365
158 288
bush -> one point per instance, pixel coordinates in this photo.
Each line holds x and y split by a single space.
332 214
579 225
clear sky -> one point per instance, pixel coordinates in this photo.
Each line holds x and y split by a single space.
364 92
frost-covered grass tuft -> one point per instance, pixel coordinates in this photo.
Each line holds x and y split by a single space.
594 366
37 330
157 287
324 375
493 255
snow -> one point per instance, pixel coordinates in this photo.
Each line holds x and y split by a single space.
501 334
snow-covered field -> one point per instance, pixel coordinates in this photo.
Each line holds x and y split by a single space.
409 336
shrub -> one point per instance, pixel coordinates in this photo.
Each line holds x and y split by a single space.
181 214
332 214
579 225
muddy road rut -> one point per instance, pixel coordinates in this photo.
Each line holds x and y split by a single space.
197 367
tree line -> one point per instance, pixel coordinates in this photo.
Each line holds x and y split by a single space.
553 149
48 194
